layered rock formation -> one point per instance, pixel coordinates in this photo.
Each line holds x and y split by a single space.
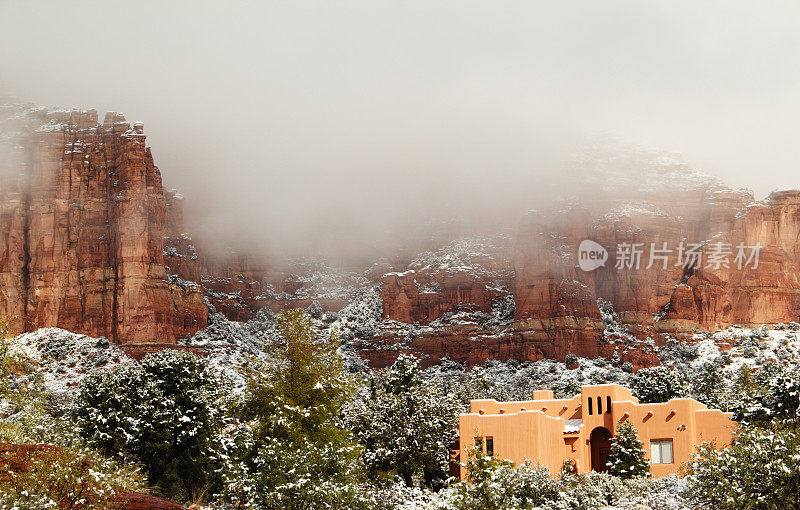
664 204
82 223
91 242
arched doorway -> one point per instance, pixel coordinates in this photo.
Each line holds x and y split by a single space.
600 444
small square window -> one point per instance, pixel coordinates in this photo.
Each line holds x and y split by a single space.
661 451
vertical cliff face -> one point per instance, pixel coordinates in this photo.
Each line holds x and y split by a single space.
766 294
82 224
560 308
91 242
552 293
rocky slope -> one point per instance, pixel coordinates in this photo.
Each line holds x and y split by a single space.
91 242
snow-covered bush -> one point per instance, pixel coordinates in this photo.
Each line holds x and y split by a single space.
504 309
361 318
771 396
677 352
760 471
493 483
165 413
498 484
62 478
655 384
405 425
314 310
12 362
663 493
43 463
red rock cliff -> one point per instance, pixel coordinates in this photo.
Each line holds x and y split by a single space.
82 217
656 201
91 242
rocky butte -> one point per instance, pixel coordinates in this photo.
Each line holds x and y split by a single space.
82 223
91 242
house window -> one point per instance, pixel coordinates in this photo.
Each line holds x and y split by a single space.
490 446
599 405
608 405
590 405
661 451
479 444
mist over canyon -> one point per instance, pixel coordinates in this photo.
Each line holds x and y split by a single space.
427 183
92 242
390 255
307 129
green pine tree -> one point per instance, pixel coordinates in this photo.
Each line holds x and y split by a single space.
294 452
627 458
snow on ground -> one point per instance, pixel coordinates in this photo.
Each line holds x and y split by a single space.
361 318
230 344
748 346
63 359
470 255
632 209
317 280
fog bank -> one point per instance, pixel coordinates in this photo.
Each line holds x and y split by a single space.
297 126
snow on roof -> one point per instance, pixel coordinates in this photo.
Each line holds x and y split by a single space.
571 426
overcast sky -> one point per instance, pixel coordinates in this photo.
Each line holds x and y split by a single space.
305 116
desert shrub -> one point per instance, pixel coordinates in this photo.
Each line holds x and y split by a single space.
770 397
495 484
405 425
498 484
566 387
36 478
760 471
164 413
11 362
43 463
655 384
677 352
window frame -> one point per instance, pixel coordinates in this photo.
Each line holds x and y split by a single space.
659 444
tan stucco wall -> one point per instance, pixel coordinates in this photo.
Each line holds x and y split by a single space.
534 430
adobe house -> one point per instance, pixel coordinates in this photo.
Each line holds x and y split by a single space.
580 429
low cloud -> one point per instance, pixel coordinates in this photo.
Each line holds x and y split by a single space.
345 127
